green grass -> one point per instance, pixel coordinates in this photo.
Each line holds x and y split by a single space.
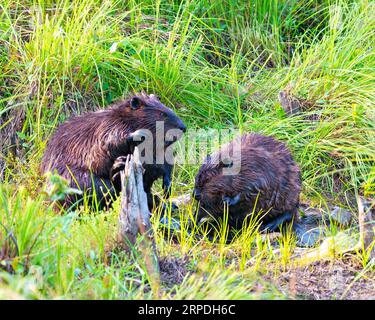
218 65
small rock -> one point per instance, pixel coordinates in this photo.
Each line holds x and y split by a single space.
172 224
309 238
341 216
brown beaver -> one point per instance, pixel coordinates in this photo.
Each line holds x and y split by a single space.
90 149
267 181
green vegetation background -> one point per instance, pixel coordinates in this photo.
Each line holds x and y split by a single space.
219 64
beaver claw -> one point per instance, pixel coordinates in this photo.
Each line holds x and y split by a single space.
117 167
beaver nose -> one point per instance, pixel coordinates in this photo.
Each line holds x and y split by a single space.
196 195
182 127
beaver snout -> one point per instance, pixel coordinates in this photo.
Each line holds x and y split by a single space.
182 127
197 195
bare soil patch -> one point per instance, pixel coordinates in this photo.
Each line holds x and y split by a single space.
326 280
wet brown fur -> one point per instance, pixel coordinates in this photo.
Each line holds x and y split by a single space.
268 180
87 146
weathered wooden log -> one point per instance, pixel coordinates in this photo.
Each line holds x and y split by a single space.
134 215
129 212
134 218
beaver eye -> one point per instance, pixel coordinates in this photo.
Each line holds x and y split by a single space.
205 180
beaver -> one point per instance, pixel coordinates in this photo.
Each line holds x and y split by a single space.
89 150
268 182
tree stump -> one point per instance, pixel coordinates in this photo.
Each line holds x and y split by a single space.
134 218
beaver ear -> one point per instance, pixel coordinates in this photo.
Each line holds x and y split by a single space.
135 102
207 160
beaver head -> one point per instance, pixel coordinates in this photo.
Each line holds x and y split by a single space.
145 112
264 179
214 182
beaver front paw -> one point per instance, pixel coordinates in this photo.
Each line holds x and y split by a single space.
117 167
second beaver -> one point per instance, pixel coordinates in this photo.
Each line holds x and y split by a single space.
267 181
